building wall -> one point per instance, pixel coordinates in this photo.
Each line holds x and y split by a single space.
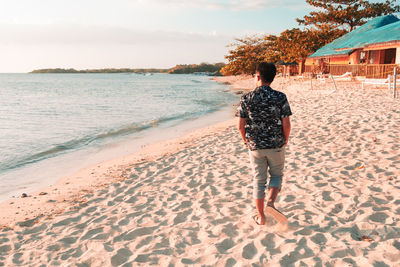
333 60
339 60
355 58
310 61
398 55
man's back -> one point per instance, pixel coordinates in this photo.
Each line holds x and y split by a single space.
263 109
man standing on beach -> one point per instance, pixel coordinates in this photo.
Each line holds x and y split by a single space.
264 126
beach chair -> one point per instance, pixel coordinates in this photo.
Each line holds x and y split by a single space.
348 76
304 76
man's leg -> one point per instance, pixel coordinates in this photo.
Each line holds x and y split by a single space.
259 166
260 211
276 163
272 195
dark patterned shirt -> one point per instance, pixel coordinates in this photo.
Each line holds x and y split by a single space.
263 108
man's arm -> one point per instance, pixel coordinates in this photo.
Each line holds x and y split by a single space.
241 125
286 128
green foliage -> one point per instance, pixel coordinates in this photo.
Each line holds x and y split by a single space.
347 13
193 68
178 69
111 70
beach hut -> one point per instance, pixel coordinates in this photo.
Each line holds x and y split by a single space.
372 50
287 68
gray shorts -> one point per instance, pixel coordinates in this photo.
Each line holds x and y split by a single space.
263 161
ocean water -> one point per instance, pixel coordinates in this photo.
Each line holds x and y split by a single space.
46 117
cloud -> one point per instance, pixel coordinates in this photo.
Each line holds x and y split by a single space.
27 47
98 35
235 5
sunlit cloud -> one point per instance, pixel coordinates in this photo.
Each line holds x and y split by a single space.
28 47
79 34
228 5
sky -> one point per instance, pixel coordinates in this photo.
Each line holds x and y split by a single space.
88 34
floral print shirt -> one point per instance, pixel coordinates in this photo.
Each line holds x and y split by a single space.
263 108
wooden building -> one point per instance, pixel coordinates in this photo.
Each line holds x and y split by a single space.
372 50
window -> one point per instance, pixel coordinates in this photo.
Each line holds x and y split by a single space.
363 57
390 56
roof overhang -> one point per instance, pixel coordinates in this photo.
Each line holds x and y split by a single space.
381 46
332 56
344 49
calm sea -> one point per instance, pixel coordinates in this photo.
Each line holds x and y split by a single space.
46 117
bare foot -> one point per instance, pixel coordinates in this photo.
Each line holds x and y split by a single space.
260 220
270 204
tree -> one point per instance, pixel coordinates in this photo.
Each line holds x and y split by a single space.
244 57
295 45
346 13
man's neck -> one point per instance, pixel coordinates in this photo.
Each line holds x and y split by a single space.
263 84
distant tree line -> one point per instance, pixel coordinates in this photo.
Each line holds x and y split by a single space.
329 20
213 69
110 70
193 68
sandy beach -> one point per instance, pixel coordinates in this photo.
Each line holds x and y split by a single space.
188 201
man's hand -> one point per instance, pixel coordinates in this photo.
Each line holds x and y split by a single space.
241 126
286 129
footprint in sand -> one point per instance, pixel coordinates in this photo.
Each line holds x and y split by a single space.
300 252
326 195
269 243
67 221
289 198
67 241
230 230
89 234
5 248
121 257
230 262
378 217
304 231
225 245
17 259
138 232
249 251
319 239
182 216
145 241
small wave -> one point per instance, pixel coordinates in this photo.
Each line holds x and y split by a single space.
205 102
85 141
196 81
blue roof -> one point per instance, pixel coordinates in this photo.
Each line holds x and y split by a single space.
378 30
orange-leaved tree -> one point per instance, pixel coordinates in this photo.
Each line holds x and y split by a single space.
295 45
244 56
347 14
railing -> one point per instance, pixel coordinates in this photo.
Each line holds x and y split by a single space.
378 71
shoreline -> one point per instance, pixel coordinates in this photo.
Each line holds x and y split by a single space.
57 195
67 187
65 191
48 171
65 156
188 201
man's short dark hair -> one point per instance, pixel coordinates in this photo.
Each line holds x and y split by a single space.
267 71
